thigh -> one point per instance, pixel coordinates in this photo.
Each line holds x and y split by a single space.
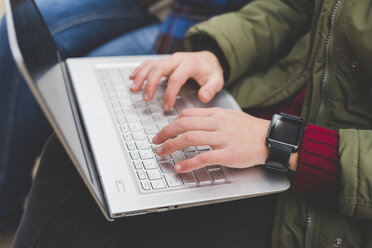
61 213
80 26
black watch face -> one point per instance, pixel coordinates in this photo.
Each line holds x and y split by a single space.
286 130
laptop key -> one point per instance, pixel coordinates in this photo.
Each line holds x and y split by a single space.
142 145
189 149
203 148
137 164
166 166
141 175
147 121
177 155
188 178
151 130
202 176
127 137
146 154
173 179
134 155
145 185
154 174
217 176
131 146
135 127
158 184
139 136
150 164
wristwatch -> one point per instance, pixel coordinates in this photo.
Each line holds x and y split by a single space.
283 138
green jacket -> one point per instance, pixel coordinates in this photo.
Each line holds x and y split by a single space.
275 48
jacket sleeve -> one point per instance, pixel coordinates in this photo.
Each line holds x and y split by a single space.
355 152
256 36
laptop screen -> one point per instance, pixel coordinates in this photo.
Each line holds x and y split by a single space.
39 61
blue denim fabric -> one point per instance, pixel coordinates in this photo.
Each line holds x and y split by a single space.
79 27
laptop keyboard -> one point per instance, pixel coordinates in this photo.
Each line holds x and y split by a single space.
138 122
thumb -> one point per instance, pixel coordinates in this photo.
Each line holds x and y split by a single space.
210 89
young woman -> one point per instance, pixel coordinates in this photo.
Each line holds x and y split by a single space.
264 55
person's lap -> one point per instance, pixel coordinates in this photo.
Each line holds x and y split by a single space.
78 28
61 213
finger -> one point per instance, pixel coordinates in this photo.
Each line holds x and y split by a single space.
141 76
194 112
210 89
175 82
191 138
181 126
201 160
158 71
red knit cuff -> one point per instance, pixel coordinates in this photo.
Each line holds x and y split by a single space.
318 167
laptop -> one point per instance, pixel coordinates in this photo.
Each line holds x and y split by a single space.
107 131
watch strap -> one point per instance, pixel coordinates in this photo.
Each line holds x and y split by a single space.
278 157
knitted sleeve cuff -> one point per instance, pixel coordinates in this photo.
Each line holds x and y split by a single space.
318 167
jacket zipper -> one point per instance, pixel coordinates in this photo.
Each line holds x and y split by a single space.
326 62
307 231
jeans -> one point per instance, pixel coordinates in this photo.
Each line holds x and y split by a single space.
80 28
62 213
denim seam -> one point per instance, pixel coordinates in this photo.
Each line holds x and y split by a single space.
65 205
12 109
78 20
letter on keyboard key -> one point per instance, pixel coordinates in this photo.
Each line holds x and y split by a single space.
142 145
146 154
202 176
124 128
134 155
135 128
150 164
166 166
139 136
172 179
217 176
141 175
132 119
127 137
137 164
151 130
154 174
158 184
147 121
188 178
145 185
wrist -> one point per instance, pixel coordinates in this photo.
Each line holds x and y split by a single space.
293 161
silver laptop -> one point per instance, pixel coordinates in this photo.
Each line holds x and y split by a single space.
107 130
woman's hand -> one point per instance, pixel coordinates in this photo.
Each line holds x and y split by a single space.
203 67
237 139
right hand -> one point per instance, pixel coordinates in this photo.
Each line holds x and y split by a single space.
203 67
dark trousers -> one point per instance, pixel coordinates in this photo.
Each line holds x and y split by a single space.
62 213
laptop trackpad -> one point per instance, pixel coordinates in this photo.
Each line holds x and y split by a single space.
218 101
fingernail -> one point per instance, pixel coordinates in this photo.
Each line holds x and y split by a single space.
177 167
206 95
159 150
145 97
133 87
154 139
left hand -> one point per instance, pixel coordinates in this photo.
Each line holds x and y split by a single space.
238 140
